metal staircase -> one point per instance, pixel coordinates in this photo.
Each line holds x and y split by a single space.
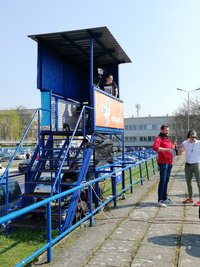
45 172
39 186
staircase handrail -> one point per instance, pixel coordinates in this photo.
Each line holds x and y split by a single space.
69 146
5 174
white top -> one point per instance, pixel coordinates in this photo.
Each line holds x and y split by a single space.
192 151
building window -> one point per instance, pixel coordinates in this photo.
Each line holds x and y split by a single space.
143 138
126 127
131 139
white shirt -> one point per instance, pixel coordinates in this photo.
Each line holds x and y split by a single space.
192 151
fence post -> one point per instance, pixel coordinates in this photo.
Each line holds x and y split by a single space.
141 176
131 180
153 166
147 170
49 230
90 204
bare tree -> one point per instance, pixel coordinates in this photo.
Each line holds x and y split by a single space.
180 121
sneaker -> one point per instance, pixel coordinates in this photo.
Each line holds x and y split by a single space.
188 200
162 204
168 201
197 203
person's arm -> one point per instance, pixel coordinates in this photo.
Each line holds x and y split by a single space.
115 90
158 148
181 149
166 149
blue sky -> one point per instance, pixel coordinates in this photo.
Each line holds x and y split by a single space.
161 37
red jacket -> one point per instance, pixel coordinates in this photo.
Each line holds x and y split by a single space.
163 156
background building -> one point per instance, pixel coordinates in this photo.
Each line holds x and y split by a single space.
141 131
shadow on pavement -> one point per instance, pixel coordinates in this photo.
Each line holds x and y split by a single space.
191 242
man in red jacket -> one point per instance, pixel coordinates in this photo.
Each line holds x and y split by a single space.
163 146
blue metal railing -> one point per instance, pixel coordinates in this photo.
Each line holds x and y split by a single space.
90 184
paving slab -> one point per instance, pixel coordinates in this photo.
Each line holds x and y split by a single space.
130 230
162 254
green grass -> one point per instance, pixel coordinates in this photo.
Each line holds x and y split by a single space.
14 164
18 245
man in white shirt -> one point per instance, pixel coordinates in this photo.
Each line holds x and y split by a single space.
192 164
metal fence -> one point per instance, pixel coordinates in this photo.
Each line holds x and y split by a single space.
146 166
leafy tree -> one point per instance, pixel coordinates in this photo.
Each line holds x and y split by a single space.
9 125
14 122
24 119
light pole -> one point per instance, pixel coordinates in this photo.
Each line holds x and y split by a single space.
188 93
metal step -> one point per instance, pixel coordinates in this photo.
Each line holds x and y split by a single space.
60 159
54 209
37 195
56 170
61 133
69 184
45 182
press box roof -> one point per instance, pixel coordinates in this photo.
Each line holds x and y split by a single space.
75 45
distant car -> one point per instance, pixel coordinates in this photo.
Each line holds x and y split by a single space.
5 157
23 165
14 193
20 155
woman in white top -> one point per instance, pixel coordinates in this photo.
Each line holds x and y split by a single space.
192 164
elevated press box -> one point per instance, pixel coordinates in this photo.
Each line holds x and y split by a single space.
71 67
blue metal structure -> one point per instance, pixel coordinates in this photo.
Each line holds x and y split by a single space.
71 97
74 110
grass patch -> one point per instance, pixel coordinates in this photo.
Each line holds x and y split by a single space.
14 164
19 245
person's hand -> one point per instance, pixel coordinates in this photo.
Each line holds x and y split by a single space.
170 150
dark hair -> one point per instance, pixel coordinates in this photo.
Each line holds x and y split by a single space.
164 126
191 133
108 74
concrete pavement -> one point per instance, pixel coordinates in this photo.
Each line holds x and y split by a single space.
138 232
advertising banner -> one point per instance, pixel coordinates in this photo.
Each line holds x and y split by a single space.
109 112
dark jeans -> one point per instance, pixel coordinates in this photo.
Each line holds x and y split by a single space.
165 171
